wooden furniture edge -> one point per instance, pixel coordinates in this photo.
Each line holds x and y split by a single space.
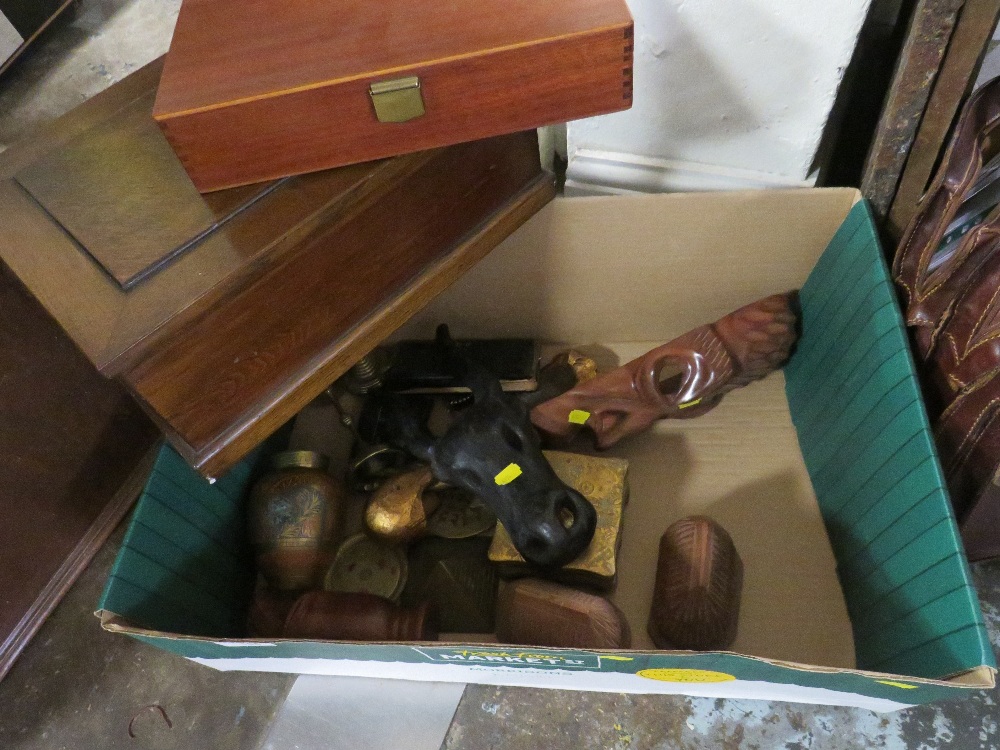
197 142
113 352
954 81
77 560
366 192
257 424
64 128
929 31
19 51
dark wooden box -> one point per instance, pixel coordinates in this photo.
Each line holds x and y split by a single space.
225 314
257 90
75 451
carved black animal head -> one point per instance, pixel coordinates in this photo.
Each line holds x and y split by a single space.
492 450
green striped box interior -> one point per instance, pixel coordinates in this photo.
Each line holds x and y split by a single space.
184 565
864 434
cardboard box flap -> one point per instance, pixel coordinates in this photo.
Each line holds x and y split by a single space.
980 677
645 268
866 441
719 674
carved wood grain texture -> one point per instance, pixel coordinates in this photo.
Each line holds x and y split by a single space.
235 374
699 581
535 612
230 128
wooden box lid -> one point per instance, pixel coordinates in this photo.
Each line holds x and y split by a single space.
108 232
254 89
224 314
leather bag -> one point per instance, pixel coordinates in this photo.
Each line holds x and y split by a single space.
952 309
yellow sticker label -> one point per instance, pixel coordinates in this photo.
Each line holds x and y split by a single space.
891 683
685 675
579 416
686 404
508 475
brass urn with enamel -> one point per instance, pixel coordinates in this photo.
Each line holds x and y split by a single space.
292 516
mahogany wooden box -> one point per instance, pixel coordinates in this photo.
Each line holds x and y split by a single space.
225 314
254 90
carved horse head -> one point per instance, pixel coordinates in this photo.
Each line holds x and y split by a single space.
492 450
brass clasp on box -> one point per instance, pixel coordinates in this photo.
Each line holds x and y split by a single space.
398 100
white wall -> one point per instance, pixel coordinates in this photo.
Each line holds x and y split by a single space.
727 94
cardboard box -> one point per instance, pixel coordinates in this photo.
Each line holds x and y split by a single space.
856 589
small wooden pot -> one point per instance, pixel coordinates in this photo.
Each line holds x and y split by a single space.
699 582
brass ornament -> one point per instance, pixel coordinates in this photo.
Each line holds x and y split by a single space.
584 367
398 100
460 515
293 513
604 483
398 509
368 566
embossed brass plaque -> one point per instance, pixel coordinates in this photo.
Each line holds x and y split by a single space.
604 482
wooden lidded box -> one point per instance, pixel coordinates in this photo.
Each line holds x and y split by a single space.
225 314
254 90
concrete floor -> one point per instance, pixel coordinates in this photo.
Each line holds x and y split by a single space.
78 687
94 44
